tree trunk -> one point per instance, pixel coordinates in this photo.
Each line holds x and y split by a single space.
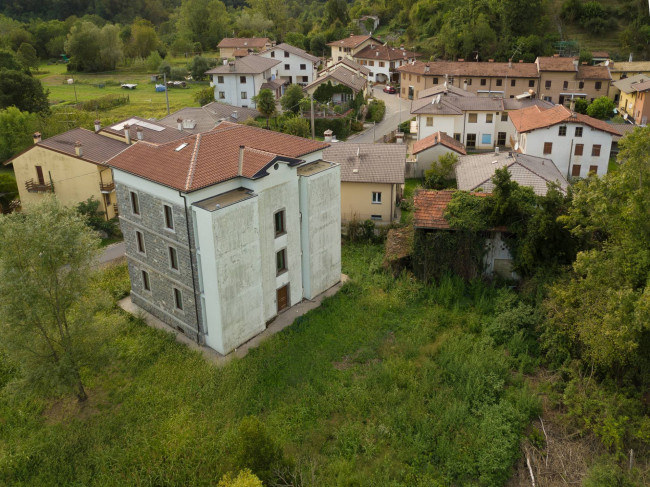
81 392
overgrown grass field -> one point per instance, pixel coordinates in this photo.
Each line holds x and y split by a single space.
389 383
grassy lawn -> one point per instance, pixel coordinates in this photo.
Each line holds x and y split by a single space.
389 383
410 185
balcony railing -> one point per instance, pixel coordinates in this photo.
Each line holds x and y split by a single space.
37 187
107 187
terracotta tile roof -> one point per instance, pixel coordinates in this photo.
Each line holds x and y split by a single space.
240 52
205 159
346 62
244 42
95 148
294 50
556 63
152 130
644 86
534 117
460 68
352 41
368 163
444 90
594 72
385 53
429 208
252 64
273 84
456 105
438 138
625 84
600 54
623 128
476 171
629 67
343 76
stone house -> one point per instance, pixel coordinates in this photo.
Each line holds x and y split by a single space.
226 229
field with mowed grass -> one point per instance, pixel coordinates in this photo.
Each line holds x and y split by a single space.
390 382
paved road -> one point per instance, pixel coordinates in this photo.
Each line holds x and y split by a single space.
111 253
391 119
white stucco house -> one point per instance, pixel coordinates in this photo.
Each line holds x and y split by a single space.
226 229
296 65
383 61
428 150
237 82
577 144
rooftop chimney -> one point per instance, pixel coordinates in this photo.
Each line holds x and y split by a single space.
78 149
179 124
127 134
240 170
235 115
427 68
575 63
37 137
572 106
328 135
231 67
510 63
139 132
98 125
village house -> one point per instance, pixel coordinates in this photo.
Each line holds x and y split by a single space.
621 70
194 120
72 166
627 94
383 61
296 65
238 81
340 76
642 106
231 47
346 63
134 129
349 46
562 79
576 143
429 149
225 230
475 172
372 179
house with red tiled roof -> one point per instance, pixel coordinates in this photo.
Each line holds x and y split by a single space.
578 144
226 229
349 46
429 149
383 61
232 46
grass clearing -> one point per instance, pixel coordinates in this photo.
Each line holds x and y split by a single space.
388 383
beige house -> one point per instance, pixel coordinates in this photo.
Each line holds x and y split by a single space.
563 78
72 166
622 70
349 46
627 93
230 47
372 179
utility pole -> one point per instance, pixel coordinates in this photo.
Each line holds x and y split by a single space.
166 92
74 87
313 127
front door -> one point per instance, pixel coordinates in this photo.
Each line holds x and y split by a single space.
283 298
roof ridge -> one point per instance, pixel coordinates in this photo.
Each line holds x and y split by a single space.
192 169
531 170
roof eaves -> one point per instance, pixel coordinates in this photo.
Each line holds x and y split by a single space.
192 170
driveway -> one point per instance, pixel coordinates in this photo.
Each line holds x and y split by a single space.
397 111
111 253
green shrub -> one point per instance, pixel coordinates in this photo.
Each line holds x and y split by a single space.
154 61
178 74
256 450
96 218
204 95
106 102
376 111
339 126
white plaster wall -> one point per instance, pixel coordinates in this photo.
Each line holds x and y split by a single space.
441 123
426 158
320 205
506 127
294 61
480 128
232 88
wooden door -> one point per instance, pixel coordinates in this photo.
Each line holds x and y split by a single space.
283 298
39 174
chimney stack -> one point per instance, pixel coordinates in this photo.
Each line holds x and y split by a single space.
235 115
328 135
37 137
572 106
510 63
240 170
575 63
78 149
139 132
98 125
231 66
179 124
127 134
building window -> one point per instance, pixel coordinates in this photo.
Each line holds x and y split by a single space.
303 67
472 118
483 82
501 139
581 85
244 95
281 261
565 85
242 79
178 299
371 63
381 64
219 79
435 81
562 131
578 150
173 258
287 67
489 117
593 169
376 197
222 95
578 131
286 54
429 121
457 136
139 240
547 85
305 79
375 217
499 82
135 203
504 116
531 83
278 219
548 147
513 82
272 53
169 217
595 150
471 141
575 170
599 85
146 284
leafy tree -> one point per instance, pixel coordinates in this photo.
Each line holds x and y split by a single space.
96 218
581 105
336 10
16 131
601 108
8 191
8 60
93 49
46 254
22 91
318 44
197 67
256 450
254 22
586 57
204 21
166 69
265 104
26 54
290 101
245 478
154 61
296 126
204 96
143 39
296 39
440 175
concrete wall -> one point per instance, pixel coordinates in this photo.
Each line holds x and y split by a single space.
231 89
427 157
459 124
320 206
356 201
